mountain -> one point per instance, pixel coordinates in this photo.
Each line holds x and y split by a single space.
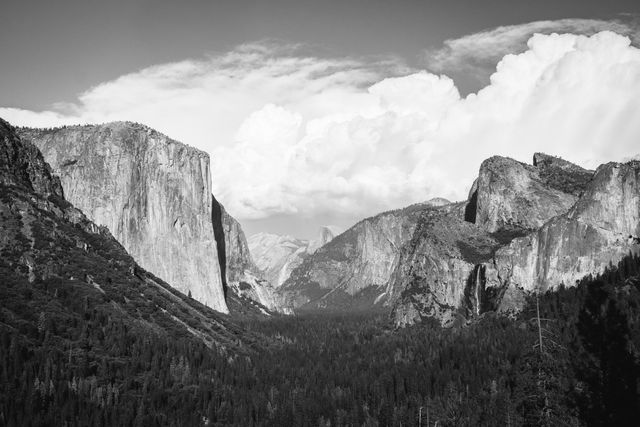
436 273
51 250
511 194
527 228
239 273
326 234
91 336
442 271
153 193
524 227
600 229
354 268
276 255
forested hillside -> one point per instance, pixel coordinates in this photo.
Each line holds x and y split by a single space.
338 371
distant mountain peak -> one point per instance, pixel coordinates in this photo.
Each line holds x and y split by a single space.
326 234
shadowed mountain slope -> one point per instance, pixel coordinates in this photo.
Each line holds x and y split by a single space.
79 316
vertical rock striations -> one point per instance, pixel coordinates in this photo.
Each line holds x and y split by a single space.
152 192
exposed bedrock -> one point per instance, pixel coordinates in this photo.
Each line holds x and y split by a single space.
547 224
153 193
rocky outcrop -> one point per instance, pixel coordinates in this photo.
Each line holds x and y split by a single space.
238 269
505 254
439 273
21 163
152 192
512 195
354 268
601 228
57 264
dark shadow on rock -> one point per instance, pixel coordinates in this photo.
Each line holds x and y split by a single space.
218 232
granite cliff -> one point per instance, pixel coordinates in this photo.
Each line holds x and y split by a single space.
153 193
58 266
600 228
524 228
528 228
437 274
353 269
512 195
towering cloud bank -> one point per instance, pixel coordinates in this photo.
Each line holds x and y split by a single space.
477 54
309 135
153 193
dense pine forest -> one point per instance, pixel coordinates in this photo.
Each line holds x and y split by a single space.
576 363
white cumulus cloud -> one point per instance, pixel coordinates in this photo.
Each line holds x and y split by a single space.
291 134
476 55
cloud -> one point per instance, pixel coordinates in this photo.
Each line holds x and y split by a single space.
476 55
293 134
204 101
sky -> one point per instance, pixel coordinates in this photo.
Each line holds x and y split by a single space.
328 112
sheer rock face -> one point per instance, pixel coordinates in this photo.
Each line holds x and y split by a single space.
510 194
152 192
601 228
438 274
450 270
239 271
47 245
